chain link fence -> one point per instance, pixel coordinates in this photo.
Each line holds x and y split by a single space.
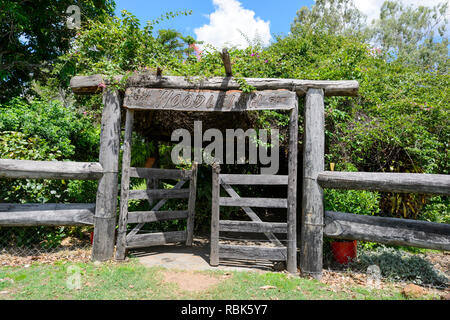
19 245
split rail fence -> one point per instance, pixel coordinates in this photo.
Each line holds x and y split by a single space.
149 92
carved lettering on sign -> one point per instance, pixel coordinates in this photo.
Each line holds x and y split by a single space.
207 100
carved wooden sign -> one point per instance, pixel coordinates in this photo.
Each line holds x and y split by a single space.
208 100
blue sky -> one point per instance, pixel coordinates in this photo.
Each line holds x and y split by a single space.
280 14
232 22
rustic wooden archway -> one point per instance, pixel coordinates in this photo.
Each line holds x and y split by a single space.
149 92
315 222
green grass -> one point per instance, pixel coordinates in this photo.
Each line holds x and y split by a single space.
131 280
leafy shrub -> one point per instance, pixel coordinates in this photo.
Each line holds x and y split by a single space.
44 131
398 265
53 125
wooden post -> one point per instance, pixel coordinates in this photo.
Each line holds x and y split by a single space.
191 205
125 187
227 62
215 216
292 193
106 203
312 204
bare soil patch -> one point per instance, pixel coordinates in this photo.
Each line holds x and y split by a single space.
191 281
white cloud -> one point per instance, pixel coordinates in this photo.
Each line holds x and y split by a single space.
371 8
229 22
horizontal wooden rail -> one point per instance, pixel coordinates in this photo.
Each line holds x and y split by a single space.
253 202
252 226
245 179
389 182
47 214
155 239
90 84
252 252
391 231
28 169
159 194
153 173
155 216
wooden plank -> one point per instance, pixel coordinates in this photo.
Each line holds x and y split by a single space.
252 215
215 216
392 231
227 62
389 182
29 169
158 206
252 253
191 205
312 204
155 216
83 84
207 100
155 239
252 226
107 191
159 194
46 214
247 179
291 264
154 173
125 187
253 202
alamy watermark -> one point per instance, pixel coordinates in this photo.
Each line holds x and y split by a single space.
73 281
373 277
73 21
235 140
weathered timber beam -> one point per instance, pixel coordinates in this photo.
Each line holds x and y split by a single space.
154 173
155 239
252 226
227 62
46 214
252 252
159 194
28 169
256 179
90 84
391 231
253 202
207 100
389 182
155 216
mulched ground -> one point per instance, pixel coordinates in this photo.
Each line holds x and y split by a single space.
338 278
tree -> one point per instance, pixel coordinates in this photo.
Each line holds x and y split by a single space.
333 17
33 34
416 36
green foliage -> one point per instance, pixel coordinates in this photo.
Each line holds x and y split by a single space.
437 210
34 34
331 17
52 126
409 33
352 201
44 131
398 265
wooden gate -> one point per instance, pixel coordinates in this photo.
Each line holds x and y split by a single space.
276 253
151 194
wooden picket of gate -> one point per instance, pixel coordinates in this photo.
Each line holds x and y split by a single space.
153 176
256 225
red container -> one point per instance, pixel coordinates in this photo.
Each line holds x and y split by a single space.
344 251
